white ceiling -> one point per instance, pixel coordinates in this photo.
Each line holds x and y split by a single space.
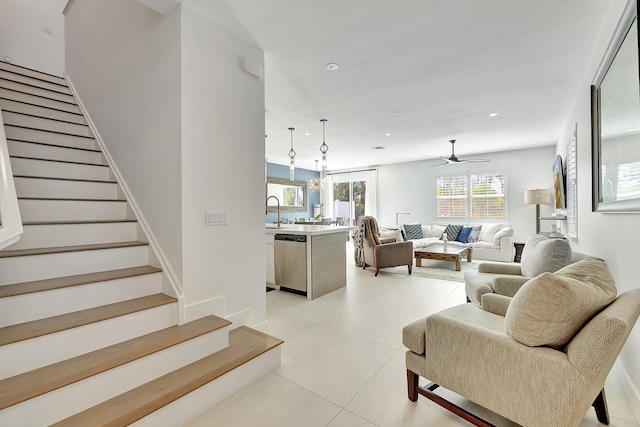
425 71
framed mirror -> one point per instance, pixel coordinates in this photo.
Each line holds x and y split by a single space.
615 120
291 194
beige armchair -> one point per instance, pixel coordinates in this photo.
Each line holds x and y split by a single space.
540 254
541 359
379 253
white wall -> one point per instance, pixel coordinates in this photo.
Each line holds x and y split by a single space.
613 237
124 61
23 37
411 187
223 168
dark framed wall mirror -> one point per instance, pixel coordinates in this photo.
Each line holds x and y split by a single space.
615 120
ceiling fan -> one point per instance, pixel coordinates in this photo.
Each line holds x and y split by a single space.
454 159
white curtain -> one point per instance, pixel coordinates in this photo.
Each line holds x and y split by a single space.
371 206
326 198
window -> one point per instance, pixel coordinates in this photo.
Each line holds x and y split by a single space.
477 196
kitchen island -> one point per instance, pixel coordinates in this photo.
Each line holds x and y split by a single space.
308 260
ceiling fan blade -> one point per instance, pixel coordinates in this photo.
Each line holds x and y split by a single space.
472 160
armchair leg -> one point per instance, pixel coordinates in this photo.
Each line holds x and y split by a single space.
412 385
600 405
410 265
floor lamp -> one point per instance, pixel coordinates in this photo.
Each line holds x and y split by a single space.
537 197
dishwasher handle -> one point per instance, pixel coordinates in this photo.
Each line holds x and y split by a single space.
298 238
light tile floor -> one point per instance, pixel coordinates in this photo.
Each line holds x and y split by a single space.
343 360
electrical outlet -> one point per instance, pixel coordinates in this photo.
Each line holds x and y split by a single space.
216 218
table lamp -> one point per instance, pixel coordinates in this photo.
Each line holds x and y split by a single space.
537 197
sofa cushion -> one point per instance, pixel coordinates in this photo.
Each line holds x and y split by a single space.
504 232
474 236
413 335
391 233
463 236
550 309
452 231
488 231
437 230
542 254
413 231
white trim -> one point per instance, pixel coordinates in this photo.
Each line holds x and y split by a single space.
10 220
153 241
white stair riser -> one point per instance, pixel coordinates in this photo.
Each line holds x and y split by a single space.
35 135
34 122
38 100
41 151
38 305
54 235
37 267
55 169
35 110
52 188
27 355
188 407
32 81
71 210
74 398
32 73
7 84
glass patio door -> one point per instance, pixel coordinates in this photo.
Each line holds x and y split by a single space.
352 195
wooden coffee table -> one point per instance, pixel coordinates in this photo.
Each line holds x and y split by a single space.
453 253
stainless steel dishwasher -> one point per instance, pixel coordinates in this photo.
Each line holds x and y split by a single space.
290 252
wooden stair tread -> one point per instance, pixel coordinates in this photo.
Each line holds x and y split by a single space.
94 150
73 199
245 344
37 116
77 280
62 249
50 325
19 69
101 181
59 161
37 105
48 378
68 222
50 131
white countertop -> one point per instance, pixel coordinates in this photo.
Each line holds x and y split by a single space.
309 230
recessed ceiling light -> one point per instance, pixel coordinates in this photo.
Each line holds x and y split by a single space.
332 66
379 147
493 114
387 134
307 134
397 113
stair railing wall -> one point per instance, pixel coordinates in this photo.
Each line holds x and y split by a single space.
174 283
10 220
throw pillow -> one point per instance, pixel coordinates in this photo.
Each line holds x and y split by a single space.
474 236
551 308
437 230
488 231
542 254
452 231
504 232
463 236
413 231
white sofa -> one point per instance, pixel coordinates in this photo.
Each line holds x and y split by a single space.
494 241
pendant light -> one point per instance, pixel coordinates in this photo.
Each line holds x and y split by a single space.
292 158
315 183
323 149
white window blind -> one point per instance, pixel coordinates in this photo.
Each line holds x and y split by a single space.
478 196
572 186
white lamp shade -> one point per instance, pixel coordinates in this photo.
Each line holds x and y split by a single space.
537 196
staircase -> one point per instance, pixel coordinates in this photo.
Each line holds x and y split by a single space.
88 335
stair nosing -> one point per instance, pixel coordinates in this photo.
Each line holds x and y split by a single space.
93 150
38 105
46 118
50 131
62 249
170 387
74 221
71 199
100 181
59 161
44 285
13 390
63 322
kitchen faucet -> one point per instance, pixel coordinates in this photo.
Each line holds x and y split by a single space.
266 207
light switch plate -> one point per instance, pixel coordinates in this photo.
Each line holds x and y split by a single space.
216 218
